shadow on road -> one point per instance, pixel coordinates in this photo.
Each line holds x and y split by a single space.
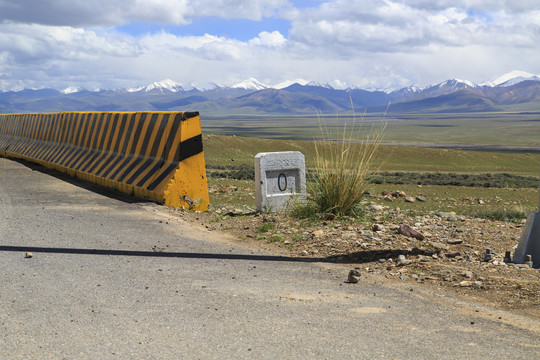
355 258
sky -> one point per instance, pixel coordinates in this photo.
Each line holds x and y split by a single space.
371 44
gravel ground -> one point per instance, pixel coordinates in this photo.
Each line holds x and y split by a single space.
445 251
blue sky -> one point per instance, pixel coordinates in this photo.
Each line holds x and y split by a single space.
372 44
240 29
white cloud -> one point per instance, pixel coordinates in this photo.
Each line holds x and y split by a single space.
118 12
386 26
368 43
273 39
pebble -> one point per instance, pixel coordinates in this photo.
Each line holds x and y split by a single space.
348 234
401 261
454 241
440 246
452 255
354 276
28 255
406 230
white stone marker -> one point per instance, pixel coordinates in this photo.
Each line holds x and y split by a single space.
280 178
529 243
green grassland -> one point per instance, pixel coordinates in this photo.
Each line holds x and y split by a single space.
234 150
512 128
512 202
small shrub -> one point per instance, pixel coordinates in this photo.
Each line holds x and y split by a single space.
275 238
508 215
265 227
305 210
343 167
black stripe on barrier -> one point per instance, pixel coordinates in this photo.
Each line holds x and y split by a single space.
131 152
112 145
187 149
142 153
190 147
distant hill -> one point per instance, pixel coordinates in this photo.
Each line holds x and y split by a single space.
516 90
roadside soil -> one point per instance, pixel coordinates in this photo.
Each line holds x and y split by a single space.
449 255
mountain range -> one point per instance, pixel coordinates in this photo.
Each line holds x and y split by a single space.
515 91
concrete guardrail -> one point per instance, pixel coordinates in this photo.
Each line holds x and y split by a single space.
157 155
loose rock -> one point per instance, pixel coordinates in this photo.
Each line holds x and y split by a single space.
402 261
354 276
406 230
467 274
440 246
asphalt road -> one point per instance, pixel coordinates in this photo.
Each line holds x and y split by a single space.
112 279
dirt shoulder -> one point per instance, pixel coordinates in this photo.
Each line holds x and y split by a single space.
449 256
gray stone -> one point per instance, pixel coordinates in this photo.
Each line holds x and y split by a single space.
402 261
406 230
354 276
440 246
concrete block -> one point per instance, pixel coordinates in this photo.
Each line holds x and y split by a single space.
280 178
529 243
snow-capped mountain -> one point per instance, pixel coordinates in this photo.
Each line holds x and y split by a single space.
159 86
512 78
70 90
250 84
405 92
518 89
452 85
287 83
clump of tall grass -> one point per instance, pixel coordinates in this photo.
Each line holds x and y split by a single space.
344 164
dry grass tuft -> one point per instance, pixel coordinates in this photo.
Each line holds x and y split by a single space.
344 164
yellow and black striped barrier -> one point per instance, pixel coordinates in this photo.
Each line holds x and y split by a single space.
158 155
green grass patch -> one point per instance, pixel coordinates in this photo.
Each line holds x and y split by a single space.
275 238
499 180
265 227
